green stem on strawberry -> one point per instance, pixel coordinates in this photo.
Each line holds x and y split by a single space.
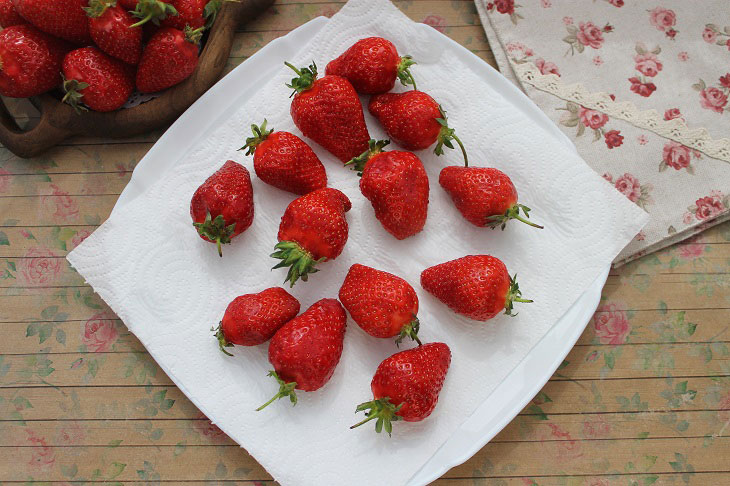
410 330
513 295
73 95
404 73
285 390
194 35
300 262
222 341
305 78
374 147
500 220
382 410
216 230
152 11
446 135
259 135
97 7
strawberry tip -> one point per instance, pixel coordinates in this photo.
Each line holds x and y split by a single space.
285 390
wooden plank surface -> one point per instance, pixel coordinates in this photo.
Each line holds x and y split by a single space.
643 398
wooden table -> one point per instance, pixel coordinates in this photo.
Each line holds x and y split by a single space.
643 398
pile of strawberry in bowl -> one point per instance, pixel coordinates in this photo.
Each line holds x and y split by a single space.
304 349
95 53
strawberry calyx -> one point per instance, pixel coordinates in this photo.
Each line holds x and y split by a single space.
259 135
285 390
216 230
152 11
500 220
194 35
382 410
210 12
409 330
300 262
97 7
374 148
305 78
404 72
73 95
513 295
446 135
222 341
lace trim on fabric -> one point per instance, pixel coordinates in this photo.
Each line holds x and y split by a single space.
676 129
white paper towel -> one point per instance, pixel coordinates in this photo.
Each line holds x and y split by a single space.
169 286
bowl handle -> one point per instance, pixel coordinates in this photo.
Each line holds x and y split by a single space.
29 143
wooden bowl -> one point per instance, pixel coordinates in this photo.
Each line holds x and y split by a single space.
59 121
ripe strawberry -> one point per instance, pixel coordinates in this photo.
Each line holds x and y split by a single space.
306 350
178 14
312 230
372 66
382 304
476 286
222 207
414 120
285 161
253 319
484 196
396 184
8 15
62 18
189 13
406 386
127 5
328 111
152 11
170 57
99 81
111 28
30 61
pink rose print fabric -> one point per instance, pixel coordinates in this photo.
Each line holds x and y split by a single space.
642 88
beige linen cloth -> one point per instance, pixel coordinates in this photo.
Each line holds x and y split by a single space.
641 87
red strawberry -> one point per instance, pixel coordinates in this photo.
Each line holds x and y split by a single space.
372 66
8 15
62 18
285 161
99 81
406 386
189 13
382 304
396 184
153 11
312 230
111 28
127 5
414 120
170 57
475 286
30 61
222 207
328 111
484 196
253 319
306 350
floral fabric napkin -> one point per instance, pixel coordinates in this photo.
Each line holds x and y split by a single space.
641 88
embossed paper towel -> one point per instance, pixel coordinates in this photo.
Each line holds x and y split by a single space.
170 287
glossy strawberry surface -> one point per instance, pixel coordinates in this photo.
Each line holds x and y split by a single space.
408 118
108 79
287 162
113 33
8 15
306 350
478 192
168 59
189 13
65 19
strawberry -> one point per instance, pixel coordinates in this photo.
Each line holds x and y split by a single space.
372 66
285 161
382 304
396 184
406 386
328 111
111 29
414 120
312 230
99 81
152 11
170 57
61 18
8 15
190 13
222 207
253 319
178 14
127 5
484 196
306 350
475 286
30 61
